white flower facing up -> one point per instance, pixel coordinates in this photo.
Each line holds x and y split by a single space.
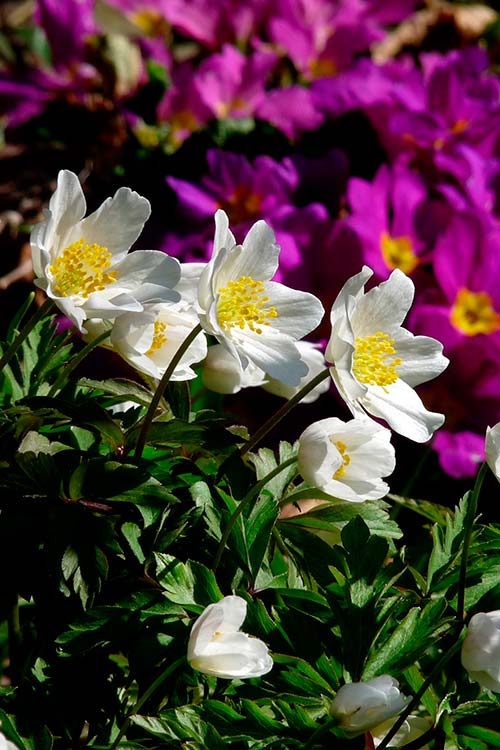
375 362
492 449
148 340
347 459
256 319
217 647
481 650
360 706
83 263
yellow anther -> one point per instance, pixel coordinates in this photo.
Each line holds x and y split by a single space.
398 253
242 304
374 362
151 22
322 68
81 270
159 338
473 313
346 459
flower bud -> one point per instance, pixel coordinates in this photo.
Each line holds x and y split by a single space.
360 706
217 647
492 449
481 650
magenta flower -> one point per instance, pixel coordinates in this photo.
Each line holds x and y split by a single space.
232 84
67 25
290 109
181 108
387 215
466 302
460 453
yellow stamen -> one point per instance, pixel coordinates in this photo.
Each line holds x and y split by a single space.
374 362
473 313
151 22
81 270
322 68
159 338
242 304
398 253
243 204
346 459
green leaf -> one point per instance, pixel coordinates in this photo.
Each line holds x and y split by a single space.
187 583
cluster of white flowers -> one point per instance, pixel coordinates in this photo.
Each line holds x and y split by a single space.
150 303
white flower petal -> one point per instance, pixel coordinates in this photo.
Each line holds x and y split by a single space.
422 357
385 306
492 449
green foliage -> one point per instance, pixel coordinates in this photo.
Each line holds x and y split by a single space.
112 557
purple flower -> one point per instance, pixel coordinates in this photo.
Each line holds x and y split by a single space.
466 302
459 453
290 109
232 84
393 218
181 108
67 25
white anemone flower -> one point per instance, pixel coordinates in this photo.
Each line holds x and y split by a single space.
360 706
492 449
315 362
223 373
148 340
411 729
217 646
481 649
347 459
83 264
375 362
6 744
256 319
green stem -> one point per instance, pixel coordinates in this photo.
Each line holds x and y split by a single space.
242 505
283 411
318 734
144 697
415 701
468 523
141 440
25 332
73 363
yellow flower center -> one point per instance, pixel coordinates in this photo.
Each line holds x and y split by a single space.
473 313
322 68
242 205
81 269
159 338
398 253
151 22
346 459
243 303
374 362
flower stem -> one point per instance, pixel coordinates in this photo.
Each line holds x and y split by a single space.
15 639
73 363
25 332
254 492
415 701
468 524
144 697
160 389
283 411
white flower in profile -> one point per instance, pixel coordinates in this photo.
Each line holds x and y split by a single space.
481 649
347 459
412 728
148 340
315 362
256 319
83 264
360 706
375 362
492 449
223 373
217 646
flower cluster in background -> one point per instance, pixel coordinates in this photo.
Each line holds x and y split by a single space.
356 139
